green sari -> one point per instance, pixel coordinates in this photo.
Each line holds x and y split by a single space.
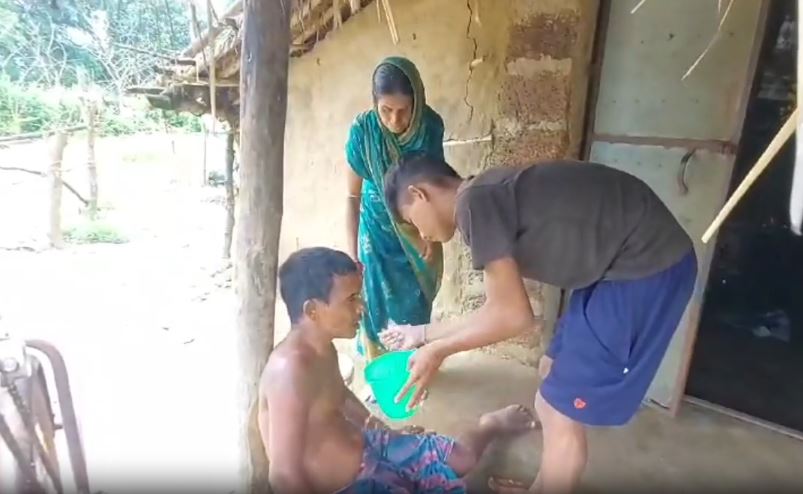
399 285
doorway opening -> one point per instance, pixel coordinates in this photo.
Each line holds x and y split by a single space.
749 351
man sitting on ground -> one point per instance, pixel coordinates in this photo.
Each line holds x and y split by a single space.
317 434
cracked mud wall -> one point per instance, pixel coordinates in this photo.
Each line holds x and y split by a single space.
515 70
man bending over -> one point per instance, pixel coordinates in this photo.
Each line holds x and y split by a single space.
316 432
581 226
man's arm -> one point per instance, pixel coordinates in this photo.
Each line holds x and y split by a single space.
289 390
505 314
354 410
501 281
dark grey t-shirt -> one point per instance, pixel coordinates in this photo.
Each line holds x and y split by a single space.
569 223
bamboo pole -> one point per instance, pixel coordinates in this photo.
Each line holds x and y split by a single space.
56 155
763 162
796 198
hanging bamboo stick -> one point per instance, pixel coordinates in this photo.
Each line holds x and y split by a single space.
764 160
394 33
796 199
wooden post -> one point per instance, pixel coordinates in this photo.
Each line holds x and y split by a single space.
263 108
91 111
229 195
204 178
56 155
211 66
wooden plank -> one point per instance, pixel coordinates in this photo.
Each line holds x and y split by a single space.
263 109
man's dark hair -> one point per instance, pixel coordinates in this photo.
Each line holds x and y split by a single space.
415 168
389 80
309 274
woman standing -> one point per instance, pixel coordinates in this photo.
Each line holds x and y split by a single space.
402 272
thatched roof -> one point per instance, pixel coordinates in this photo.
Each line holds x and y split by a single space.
185 80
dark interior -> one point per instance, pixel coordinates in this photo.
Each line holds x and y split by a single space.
749 351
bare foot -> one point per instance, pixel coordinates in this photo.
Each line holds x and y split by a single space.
509 420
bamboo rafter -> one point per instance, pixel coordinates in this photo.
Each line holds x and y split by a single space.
213 59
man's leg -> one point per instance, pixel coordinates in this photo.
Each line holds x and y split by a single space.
565 450
471 444
563 458
544 366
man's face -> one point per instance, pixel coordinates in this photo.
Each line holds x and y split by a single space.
341 314
435 224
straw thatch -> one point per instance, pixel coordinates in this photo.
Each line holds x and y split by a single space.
184 83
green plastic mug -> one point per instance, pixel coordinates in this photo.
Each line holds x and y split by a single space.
386 375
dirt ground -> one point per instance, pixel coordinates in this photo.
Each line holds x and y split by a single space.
144 326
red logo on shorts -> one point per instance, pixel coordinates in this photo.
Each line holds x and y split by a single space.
579 404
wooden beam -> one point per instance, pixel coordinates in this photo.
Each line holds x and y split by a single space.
172 58
153 90
40 134
263 90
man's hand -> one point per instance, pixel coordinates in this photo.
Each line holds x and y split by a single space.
404 337
424 364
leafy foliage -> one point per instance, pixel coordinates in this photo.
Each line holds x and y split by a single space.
34 109
49 48
58 42
94 232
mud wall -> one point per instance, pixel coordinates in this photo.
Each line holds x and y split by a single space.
514 72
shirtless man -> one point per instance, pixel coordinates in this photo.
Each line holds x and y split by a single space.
581 226
318 436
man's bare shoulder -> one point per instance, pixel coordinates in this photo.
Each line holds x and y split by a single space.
292 363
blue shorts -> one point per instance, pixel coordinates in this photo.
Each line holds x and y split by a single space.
608 345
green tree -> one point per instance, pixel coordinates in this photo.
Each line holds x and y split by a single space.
49 42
